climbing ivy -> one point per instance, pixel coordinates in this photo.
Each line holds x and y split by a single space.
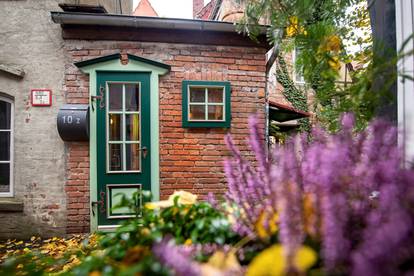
293 94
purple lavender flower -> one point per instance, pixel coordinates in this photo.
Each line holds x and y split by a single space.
248 184
257 145
212 200
175 258
388 242
359 233
288 194
344 171
205 249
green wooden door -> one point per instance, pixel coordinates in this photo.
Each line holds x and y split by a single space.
123 141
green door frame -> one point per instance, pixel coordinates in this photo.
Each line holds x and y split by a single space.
124 182
137 64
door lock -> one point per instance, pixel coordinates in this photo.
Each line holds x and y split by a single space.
144 152
100 203
101 98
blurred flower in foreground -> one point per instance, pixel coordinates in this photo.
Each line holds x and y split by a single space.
174 258
345 194
266 224
272 262
178 258
185 198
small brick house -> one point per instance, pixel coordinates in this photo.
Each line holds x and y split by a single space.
162 93
131 103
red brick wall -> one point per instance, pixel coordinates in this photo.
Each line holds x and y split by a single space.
77 188
190 159
76 89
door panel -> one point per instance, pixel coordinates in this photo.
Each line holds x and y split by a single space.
123 141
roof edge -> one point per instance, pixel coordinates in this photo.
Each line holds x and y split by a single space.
84 63
78 18
288 108
150 61
88 62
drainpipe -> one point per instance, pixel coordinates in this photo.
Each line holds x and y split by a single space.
269 63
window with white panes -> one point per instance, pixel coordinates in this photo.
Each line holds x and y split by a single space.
123 127
6 146
206 103
297 75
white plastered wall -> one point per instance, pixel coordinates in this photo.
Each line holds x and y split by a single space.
405 28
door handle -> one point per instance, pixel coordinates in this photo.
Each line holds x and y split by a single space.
93 205
144 152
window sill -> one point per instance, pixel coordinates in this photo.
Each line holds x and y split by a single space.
206 124
11 205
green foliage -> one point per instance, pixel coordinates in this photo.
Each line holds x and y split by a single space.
293 94
280 136
127 251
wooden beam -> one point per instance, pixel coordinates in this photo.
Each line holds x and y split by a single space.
160 35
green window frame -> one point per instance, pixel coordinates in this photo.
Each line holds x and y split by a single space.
206 104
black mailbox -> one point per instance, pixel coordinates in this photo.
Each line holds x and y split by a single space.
73 122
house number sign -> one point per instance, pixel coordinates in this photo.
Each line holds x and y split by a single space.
41 97
73 122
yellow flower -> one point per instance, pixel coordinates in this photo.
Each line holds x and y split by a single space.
184 198
333 43
261 230
184 211
272 261
150 206
294 28
334 63
145 231
188 242
309 214
224 261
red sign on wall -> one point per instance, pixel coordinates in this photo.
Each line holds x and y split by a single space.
41 97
